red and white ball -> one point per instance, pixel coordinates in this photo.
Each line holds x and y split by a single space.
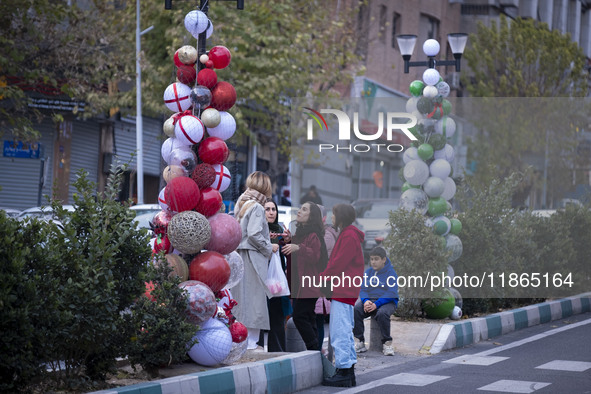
222 178
177 97
189 130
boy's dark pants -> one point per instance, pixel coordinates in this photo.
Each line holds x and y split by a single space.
382 316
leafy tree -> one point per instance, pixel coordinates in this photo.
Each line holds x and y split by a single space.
66 51
523 58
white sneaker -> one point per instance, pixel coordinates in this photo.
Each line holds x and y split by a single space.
388 349
360 346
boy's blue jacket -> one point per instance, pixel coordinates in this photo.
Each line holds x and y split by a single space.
381 291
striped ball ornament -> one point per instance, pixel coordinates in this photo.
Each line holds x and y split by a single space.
189 130
222 178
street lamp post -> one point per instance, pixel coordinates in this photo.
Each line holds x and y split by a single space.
406 43
139 127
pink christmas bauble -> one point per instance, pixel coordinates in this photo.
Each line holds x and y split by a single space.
188 130
210 203
177 97
222 178
226 233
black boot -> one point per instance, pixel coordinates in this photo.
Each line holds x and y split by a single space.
344 377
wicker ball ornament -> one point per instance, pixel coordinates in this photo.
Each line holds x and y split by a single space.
189 232
182 194
203 175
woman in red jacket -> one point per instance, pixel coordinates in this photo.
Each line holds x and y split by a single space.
308 259
345 264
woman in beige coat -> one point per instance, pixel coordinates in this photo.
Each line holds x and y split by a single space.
255 249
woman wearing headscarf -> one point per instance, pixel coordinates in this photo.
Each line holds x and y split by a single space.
255 248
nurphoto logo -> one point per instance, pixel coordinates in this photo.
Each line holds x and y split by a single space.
387 122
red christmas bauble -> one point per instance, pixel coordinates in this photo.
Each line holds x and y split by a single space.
210 268
223 96
210 203
203 175
207 77
209 64
182 194
213 150
239 332
220 56
186 74
177 61
162 243
160 222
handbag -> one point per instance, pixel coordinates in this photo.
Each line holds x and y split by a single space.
276 280
322 306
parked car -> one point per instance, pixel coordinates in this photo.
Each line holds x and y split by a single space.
43 213
373 219
144 213
11 212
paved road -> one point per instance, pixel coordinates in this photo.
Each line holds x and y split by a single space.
551 358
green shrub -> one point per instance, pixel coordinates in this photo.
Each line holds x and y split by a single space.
161 334
414 251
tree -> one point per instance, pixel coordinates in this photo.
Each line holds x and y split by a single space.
51 48
523 58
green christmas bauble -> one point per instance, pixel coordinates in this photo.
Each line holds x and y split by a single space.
446 105
441 306
425 105
406 186
425 151
456 226
437 141
437 206
416 88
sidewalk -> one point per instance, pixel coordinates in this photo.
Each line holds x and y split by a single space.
289 372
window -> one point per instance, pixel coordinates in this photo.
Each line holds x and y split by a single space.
395 28
383 16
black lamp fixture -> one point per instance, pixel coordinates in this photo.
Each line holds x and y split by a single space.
406 43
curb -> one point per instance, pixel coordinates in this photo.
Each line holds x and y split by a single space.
284 374
470 331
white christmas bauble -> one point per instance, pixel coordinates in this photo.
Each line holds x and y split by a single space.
456 313
222 178
431 47
453 243
225 129
209 30
431 76
411 104
414 199
446 153
430 91
443 89
167 147
440 168
416 172
189 130
236 269
168 127
177 97
196 22
433 186
214 343
449 189
410 154
446 125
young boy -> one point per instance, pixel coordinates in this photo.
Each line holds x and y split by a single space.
379 298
